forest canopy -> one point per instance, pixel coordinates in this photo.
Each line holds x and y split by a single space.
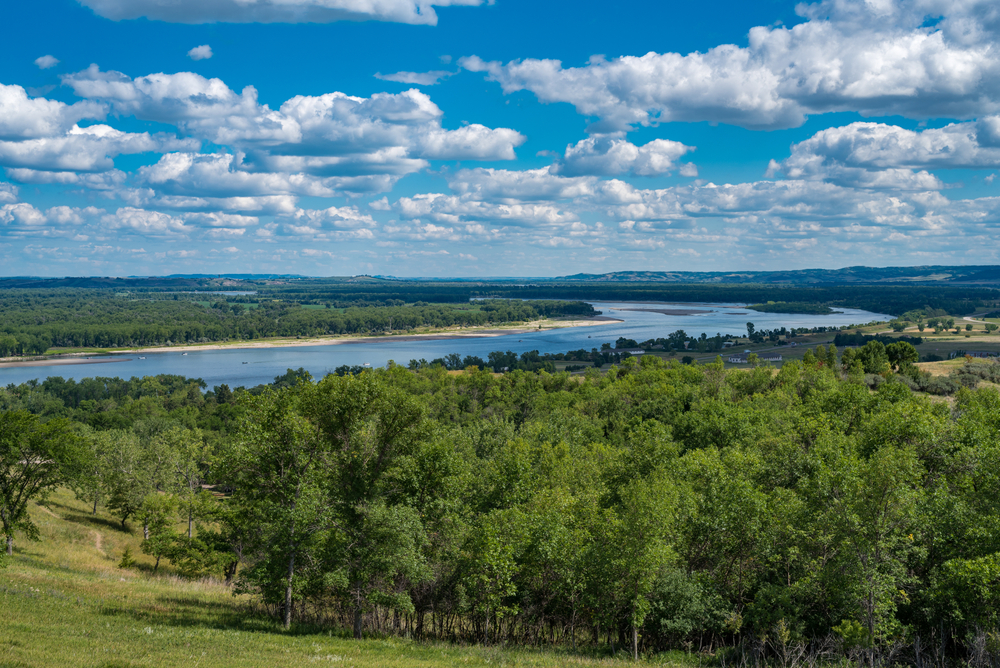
663 504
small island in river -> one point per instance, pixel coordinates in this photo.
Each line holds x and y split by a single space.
807 308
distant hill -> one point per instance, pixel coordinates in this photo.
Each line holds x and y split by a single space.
941 275
928 275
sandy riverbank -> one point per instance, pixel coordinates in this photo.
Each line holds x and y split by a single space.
63 360
469 332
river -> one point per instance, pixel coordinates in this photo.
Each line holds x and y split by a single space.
249 367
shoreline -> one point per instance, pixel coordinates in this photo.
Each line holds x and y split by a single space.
114 355
63 361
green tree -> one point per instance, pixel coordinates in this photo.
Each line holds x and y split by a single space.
190 456
873 357
636 544
369 428
831 356
492 566
901 355
967 592
157 513
870 506
34 459
125 472
277 467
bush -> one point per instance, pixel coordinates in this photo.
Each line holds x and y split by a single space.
128 561
873 380
976 370
941 385
924 382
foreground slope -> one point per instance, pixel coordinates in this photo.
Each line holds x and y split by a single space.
65 602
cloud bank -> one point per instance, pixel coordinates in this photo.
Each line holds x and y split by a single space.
877 58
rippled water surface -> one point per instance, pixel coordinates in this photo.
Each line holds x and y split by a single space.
252 367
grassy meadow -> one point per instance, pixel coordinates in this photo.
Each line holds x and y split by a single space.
65 602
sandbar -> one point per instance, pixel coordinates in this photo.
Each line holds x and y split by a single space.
65 360
666 311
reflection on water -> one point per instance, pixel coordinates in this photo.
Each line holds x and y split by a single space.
253 367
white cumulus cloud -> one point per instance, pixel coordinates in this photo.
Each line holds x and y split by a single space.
23 117
611 156
274 11
203 52
877 155
88 149
877 58
385 135
8 193
46 62
22 214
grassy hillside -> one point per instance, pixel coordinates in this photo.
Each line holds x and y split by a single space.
65 602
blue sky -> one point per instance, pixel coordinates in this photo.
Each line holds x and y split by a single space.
512 138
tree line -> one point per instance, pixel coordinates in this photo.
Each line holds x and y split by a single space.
889 299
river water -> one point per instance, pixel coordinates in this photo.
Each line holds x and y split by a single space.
251 367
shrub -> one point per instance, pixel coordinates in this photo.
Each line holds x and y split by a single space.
128 561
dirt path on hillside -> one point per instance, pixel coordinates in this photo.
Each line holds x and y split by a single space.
99 542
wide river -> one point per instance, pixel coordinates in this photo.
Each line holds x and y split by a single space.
249 367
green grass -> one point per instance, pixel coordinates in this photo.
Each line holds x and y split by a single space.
64 602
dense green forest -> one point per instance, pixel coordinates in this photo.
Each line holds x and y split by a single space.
791 307
33 321
362 291
892 300
754 513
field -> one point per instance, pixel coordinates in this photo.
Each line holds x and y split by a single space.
65 602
